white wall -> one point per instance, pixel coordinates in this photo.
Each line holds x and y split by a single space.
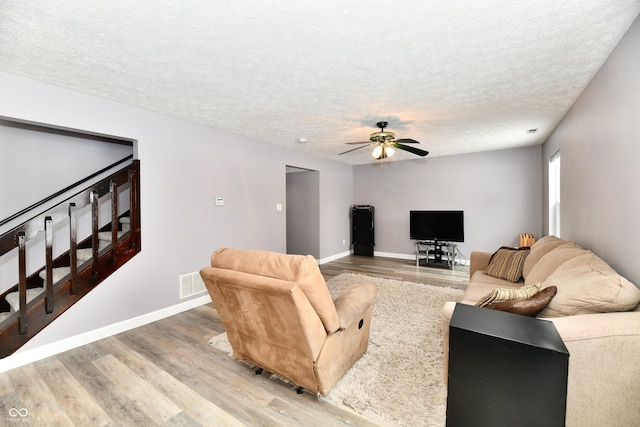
599 142
184 166
499 192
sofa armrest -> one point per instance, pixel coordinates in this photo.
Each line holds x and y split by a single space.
353 302
478 261
603 386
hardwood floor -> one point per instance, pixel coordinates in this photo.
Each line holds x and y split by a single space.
166 374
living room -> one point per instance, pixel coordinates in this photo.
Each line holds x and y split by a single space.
185 166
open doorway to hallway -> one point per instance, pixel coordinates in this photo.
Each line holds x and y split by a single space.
303 211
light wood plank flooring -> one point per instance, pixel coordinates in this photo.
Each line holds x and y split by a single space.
166 374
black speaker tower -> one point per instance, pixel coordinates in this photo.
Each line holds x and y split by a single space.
362 232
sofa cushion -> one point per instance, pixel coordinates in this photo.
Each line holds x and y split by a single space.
586 284
480 277
481 284
505 294
506 263
538 250
552 260
528 307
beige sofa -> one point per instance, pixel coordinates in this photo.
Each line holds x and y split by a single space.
279 315
597 315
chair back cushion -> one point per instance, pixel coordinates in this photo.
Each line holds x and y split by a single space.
300 269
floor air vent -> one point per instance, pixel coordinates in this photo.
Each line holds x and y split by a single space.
191 284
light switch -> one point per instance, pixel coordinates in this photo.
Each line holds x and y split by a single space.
279 207
219 201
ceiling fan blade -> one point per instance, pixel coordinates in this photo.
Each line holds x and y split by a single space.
413 150
359 142
353 149
406 141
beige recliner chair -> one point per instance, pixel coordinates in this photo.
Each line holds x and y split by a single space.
279 316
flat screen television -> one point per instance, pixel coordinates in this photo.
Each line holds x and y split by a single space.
443 226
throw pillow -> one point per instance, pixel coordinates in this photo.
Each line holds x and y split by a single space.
506 263
504 294
528 307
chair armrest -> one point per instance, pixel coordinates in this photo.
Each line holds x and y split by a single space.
478 261
353 302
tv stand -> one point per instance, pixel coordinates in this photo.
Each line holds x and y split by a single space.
436 254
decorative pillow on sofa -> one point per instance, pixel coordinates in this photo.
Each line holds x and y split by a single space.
586 284
506 294
528 307
506 263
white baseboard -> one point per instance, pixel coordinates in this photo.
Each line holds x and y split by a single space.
334 257
25 357
394 255
380 254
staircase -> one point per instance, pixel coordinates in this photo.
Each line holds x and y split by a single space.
38 299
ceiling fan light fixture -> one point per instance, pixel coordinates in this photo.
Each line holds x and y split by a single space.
390 151
385 144
377 152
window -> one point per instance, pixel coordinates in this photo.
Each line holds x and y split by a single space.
554 194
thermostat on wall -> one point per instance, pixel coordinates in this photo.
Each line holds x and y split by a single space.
219 201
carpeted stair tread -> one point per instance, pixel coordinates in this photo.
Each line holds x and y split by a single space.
84 254
125 223
13 297
4 315
105 236
58 274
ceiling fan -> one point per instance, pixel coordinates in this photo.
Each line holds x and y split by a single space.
385 144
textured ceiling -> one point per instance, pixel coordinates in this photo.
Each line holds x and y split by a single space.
458 76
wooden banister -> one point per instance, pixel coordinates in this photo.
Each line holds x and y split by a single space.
33 316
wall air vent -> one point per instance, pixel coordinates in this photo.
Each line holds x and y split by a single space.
191 284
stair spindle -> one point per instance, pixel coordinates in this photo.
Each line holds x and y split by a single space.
22 283
134 181
113 189
73 247
95 242
48 240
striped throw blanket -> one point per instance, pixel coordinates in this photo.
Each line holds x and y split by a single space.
503 294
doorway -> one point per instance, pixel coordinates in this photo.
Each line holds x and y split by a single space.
303 211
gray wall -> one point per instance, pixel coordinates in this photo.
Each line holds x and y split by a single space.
599 142
499 192
184 167
32 166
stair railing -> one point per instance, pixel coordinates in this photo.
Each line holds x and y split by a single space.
34 316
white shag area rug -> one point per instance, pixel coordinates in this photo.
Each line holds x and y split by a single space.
399 381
